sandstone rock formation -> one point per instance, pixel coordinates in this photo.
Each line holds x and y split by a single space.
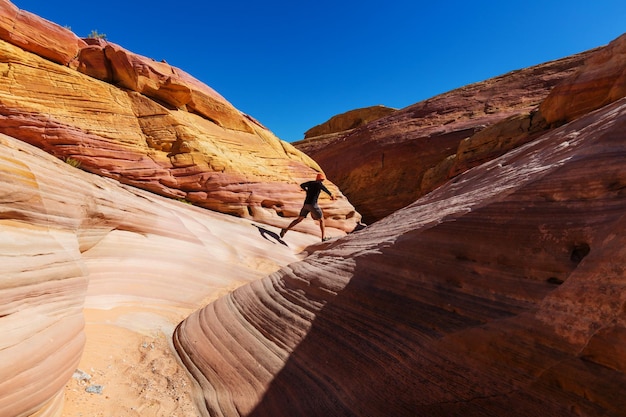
398 158
499 293
37 35
148 124
73 241
348 120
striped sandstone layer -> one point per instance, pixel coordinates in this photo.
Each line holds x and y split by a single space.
76 245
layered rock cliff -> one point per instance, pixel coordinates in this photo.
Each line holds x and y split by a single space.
95 269
499 292
147 124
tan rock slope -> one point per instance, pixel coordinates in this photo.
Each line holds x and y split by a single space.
398 158
500 292
147 124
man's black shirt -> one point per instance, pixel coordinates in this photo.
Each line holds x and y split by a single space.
313 189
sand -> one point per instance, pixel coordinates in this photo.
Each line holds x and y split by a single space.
132 367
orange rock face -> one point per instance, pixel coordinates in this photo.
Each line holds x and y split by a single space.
164 131
496 288
398 158
38 35
499 293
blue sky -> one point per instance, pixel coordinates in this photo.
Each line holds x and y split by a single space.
294 64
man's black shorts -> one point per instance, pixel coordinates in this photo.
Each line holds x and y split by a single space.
314 209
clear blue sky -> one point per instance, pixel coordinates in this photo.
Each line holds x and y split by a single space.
294 64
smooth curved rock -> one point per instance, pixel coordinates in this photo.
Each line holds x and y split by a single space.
72 240
37 35
499 293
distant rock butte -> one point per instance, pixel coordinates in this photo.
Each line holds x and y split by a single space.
148 124
398 158
349 120
499 293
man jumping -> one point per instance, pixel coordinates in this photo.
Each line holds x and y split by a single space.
313 189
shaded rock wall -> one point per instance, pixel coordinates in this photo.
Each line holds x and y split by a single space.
499 293
148 124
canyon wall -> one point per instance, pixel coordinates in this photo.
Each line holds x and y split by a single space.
400 157
74 243
491 283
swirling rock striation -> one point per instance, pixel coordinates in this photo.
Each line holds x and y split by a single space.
72 240
499 293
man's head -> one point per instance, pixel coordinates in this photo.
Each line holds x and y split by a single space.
320 177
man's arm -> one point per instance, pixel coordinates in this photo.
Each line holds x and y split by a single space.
332 197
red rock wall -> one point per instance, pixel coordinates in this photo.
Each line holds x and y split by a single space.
601 81
37 35
389 163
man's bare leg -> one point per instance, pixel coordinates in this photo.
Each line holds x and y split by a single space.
292 224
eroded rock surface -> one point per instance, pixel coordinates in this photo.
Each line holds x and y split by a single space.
601 81
499 293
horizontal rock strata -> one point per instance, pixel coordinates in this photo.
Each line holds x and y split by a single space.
500 293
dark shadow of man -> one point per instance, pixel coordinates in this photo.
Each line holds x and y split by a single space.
269 235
